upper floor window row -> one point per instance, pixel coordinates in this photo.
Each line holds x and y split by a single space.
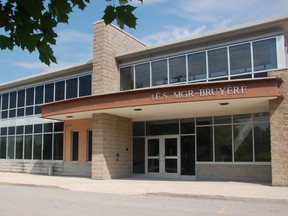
245 60
24 102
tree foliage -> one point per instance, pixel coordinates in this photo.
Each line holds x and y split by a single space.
30 24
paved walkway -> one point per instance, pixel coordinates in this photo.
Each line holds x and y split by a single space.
201 189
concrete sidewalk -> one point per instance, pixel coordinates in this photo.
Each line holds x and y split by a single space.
200 189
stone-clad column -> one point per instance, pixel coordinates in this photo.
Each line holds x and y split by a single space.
112 147
279 132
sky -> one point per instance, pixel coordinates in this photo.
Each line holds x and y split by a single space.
159 21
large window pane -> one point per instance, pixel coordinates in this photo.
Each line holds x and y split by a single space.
138 128
3 147
12 101
205 143
223 143
166 127
159 73
75 144
59 90
58 147
188 155
47 147
39 94
243 146
29 96
126 78
264 54
139 155
217 61
37 147
71 88
90 142
49 92
187 126
262 142
142 75
177 69
28 147
5 101
240 59
11 147
19 147
197 66
21 98
85 85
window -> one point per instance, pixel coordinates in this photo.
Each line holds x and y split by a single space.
49 92
12 100
85 84
58 146
139 155
11 147
39 92
5 101
177 69
240 59
223 142
29 96
139 128
28 147
264 54
47 147
71 88
218 62
89 158
204 143
164 127
59 90
126 78
75 144
37 147
159 73
19 147
188 155
142 75
187 126
197 66
21 98
3 147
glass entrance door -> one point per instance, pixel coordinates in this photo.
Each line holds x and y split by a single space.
163 156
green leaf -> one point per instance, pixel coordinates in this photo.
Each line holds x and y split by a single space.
80 3
124 16
6 43
32 42
121 2
33 7
61 9
109 14
46 53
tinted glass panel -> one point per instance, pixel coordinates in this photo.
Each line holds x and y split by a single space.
58 126
5 101
218 62
153 147
240 59
28 129
138 128
261 117
75 143
262 142
4 114
162 127
205 143
12 113
29 96
11 147
19 147
4 131
187 155
58 147
177 69
28 147
38 128
197 66
47 147
59 90
20 112
21 98
39 94
85 85
49 92
159 73
12 101
90 137
29 111
37 109
37 147
3 147
126 78
19 129
222 119
223 143
187 126
71 88
11 130
139 155
264 54
142 75
48 127
244 118
204 121
243 147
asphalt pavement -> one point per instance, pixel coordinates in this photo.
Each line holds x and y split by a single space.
185 188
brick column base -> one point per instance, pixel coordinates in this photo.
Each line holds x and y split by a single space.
112 145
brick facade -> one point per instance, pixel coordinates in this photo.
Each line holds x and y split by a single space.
279 132
109 41
112 145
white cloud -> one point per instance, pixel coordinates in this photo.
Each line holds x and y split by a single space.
172 33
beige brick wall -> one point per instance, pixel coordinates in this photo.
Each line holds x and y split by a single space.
234 172
112 145
109 41
279 132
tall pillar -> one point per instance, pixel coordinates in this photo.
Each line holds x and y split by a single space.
112 147
279 132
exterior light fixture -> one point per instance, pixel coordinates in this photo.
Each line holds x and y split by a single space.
138 109
69 116
224 104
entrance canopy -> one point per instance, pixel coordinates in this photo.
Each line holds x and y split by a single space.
177 101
